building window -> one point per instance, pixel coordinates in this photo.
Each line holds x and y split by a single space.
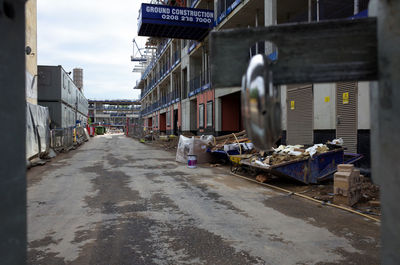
201 115
209 114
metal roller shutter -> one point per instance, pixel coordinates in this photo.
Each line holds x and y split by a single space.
300 115
346 114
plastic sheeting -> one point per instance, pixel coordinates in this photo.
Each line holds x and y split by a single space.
194 146
81 134
31 86
37 130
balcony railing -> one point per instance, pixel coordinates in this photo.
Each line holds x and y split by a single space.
195 83
176 57
165 101
164 70
192 45
175 95
198 84
128 108
224 8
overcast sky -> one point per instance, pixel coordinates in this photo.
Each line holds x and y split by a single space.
95 35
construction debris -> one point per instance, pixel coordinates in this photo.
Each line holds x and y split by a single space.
374 203
286 153
194 146
233 142
262 178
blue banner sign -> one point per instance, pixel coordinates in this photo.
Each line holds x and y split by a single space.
174 22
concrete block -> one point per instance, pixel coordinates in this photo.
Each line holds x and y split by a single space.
345 168
347 180
342 176
341 183
353 196
340 191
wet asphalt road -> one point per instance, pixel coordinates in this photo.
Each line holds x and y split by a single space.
117 201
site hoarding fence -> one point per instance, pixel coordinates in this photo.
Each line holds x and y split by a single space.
62 138
136 128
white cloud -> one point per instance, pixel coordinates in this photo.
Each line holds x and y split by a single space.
95 35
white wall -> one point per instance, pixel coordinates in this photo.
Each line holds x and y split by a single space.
364 110
324 112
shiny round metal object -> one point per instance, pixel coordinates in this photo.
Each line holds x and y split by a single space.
261 109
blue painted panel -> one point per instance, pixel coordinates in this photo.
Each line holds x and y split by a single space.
362 14
297 170
235 4
205 87
179 15
313 169
174 22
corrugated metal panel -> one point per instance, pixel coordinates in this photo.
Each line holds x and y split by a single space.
300 114
346 114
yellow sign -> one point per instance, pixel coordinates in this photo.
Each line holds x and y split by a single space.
292 105
346 98
327 99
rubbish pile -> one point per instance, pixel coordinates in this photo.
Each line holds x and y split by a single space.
235 143
286 153
194 146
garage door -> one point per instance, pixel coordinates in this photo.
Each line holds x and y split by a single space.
346 114
300 114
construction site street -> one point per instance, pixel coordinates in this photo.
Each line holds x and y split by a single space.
118 201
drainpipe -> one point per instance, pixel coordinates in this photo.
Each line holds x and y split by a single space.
318 10
356 7
256 27
309 11
269 19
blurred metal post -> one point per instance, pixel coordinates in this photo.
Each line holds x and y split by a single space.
12 133
385 127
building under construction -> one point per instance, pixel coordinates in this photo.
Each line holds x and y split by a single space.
177 95
113 113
